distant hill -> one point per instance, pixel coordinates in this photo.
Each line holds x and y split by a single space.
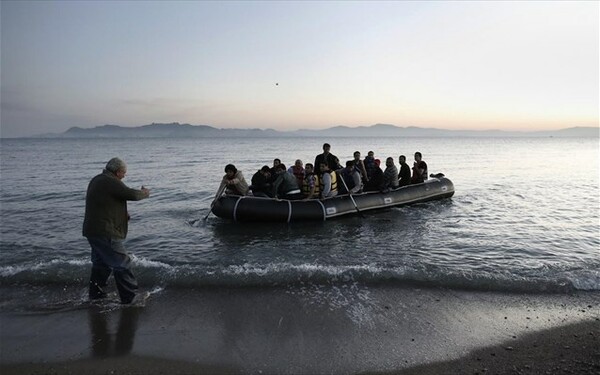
172 130
177 130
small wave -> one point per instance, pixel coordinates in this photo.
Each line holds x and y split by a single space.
152 272
7 271
147 263
586 280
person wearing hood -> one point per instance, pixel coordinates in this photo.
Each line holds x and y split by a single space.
390 175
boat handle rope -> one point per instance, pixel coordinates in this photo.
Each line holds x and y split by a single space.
235 208
324 210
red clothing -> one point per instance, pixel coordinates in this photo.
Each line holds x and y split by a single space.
298 173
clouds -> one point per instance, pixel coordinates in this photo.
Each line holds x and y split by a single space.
444 64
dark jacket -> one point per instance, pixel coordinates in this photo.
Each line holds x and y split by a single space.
106 206
370 165
330 160
284 183
375 181
261 184
404 175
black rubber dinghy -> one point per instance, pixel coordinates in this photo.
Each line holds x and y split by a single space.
254 209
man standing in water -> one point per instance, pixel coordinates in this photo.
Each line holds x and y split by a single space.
105 226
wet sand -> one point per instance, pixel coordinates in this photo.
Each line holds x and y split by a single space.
570 349
304 329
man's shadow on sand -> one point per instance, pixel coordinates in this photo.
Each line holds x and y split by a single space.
106 344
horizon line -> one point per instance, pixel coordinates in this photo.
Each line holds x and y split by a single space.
232 127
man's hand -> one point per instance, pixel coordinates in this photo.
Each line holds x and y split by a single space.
146 192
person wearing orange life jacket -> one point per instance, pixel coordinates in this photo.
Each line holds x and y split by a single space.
328 182
311 187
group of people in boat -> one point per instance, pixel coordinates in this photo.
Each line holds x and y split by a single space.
325 178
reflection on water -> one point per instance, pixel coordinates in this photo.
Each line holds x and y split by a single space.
105 343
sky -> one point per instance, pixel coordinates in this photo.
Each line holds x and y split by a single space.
299 65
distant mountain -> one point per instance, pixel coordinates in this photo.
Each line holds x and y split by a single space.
172 130
177 130
386 130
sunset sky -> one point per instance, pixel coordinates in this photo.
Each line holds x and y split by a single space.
292 65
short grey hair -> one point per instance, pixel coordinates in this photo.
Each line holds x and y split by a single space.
116 164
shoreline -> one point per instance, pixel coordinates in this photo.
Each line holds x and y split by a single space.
310 329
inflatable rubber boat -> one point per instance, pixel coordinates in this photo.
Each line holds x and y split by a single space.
252 209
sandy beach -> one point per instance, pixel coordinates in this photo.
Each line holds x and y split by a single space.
307 329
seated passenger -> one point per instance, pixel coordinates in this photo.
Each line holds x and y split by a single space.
360 166
404 175
298 171
419 169
310 185
376 181
261 187
233 181
390 176
285 185
351 179
369 163
276 162
328 182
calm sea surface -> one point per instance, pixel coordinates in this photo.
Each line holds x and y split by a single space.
525 216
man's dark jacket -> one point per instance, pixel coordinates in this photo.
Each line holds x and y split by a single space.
260 183
404 175
106 206
330 159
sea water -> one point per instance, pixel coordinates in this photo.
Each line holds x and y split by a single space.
524 217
